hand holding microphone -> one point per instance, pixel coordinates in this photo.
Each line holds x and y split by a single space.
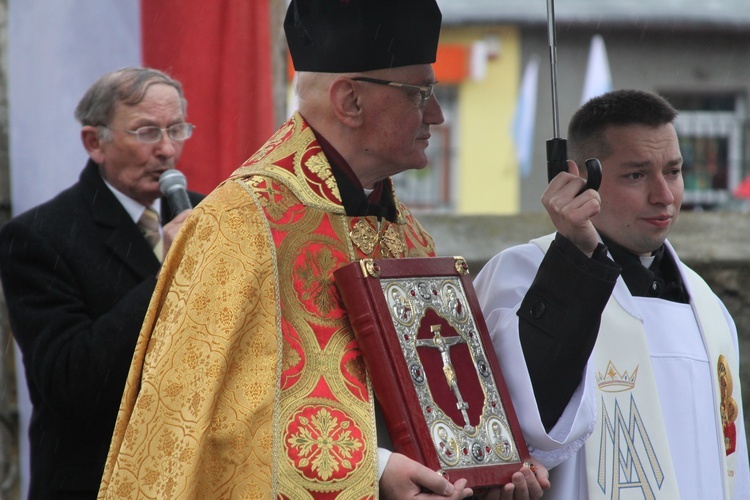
173 185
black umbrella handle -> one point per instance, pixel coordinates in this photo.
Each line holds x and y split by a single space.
557 157
594 176
557 161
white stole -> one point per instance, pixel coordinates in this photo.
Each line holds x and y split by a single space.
628 449
725 380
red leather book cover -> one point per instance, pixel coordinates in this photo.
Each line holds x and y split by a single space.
433 368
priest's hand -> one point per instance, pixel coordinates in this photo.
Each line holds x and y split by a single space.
403 478
571 212
526 484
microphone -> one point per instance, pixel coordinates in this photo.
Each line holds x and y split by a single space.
173 184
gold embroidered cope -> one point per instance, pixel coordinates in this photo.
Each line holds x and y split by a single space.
246 380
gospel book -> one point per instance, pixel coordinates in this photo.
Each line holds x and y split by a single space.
433 368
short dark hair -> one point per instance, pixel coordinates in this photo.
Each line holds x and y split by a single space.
618 108
125 85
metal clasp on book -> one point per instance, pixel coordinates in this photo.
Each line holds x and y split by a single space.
461 266
370 268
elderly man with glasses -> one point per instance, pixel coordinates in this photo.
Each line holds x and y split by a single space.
247 381
78 275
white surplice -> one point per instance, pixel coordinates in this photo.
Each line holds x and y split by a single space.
681 369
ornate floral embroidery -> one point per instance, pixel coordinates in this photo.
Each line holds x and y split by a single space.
274 142
318 165
364 236
275 199
392 244
324 443
315 276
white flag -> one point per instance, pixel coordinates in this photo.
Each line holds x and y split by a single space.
523 125
598 80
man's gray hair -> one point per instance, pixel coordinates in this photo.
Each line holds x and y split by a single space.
127 86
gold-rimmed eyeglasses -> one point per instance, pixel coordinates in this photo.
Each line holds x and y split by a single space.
425 91
152 134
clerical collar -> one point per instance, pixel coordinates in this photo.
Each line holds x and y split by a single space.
646 260
379 201
661 279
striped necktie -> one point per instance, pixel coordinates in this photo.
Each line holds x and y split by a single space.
149 226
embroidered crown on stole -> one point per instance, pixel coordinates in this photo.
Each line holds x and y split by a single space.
614 381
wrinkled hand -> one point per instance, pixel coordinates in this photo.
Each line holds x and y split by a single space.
571 213
403 478
169 231
524 485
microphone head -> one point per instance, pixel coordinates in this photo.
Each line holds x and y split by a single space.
171 179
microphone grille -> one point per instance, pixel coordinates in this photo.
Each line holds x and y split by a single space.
172 179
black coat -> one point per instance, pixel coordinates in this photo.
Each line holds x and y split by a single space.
77 276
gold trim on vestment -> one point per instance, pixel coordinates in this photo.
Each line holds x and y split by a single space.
245 342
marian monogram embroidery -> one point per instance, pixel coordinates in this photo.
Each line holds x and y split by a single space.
627 457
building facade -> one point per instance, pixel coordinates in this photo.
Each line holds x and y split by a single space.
693 53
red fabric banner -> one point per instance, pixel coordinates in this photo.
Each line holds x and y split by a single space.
221 52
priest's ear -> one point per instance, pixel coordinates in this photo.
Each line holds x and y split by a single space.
94 139
346 101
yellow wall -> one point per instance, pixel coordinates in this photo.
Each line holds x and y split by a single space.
488 177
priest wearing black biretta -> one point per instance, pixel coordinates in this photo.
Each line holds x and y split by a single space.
247 381
360 36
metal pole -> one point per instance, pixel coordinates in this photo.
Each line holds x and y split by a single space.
552 39
557 148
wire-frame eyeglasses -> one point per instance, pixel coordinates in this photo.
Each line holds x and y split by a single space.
152 134
425 91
